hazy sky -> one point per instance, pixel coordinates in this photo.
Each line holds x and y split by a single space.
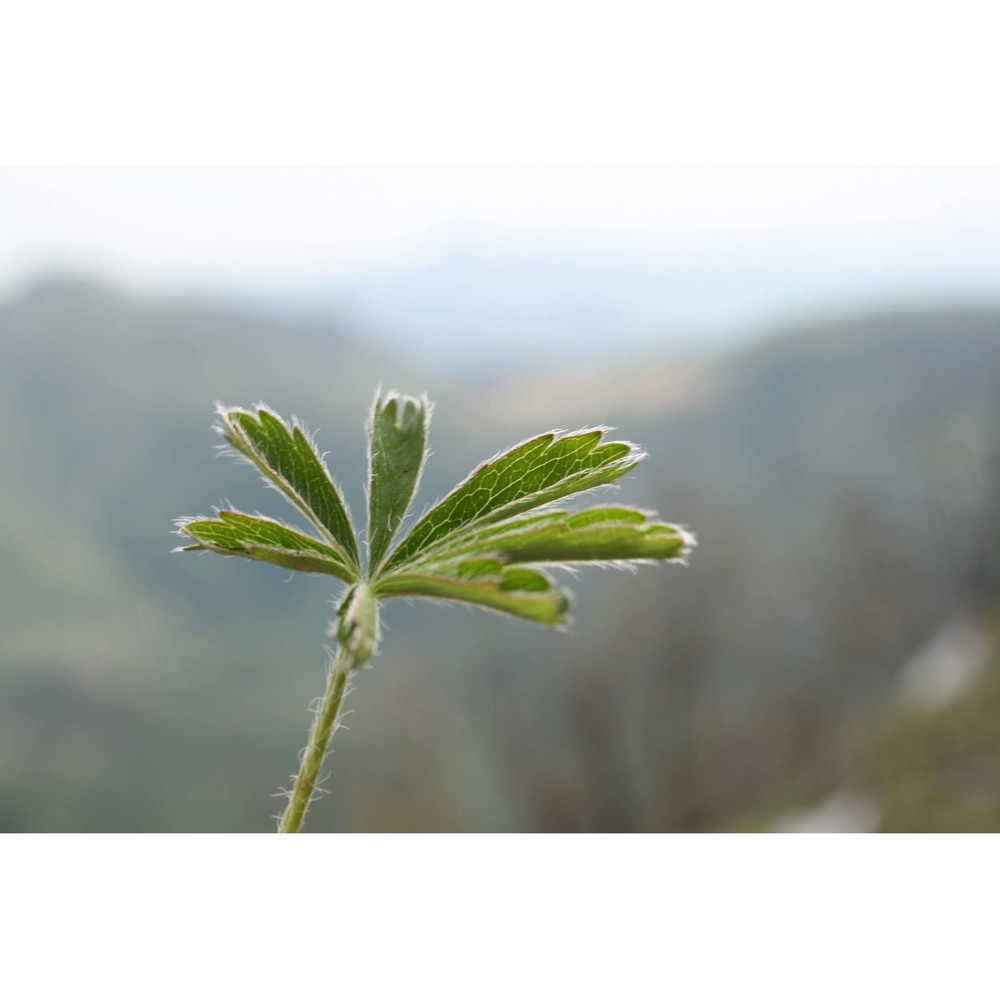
478 263
276 227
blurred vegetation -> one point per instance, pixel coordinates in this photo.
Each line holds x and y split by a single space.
937 771
920 768
843 481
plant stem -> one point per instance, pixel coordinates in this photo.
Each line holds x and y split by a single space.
319 738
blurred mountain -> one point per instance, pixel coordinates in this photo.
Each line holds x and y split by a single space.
842 479
477 296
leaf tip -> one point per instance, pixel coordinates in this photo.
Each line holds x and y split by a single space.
181 524
689 542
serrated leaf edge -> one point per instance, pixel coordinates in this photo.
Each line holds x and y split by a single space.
628 461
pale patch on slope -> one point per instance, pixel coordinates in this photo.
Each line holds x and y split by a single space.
639 390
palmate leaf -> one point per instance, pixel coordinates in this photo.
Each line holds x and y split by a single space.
536 472
231 533
397 449
485 543
285 456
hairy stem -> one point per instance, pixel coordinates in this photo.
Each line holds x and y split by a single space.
356 630
319 739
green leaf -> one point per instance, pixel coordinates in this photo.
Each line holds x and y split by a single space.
536 472
231 533
286 457
483 544
598 534
525 593
397 447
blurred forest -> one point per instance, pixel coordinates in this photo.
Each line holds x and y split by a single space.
830 659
